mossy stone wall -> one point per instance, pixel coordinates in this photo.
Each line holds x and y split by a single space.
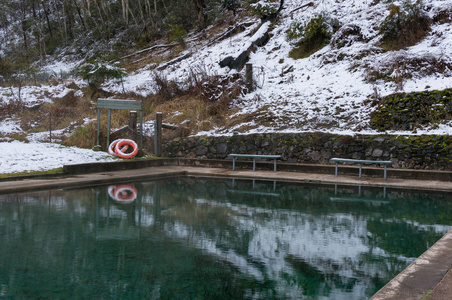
412 152
409 111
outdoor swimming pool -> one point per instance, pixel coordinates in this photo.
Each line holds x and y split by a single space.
206 238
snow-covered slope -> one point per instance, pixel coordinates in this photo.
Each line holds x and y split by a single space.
327 91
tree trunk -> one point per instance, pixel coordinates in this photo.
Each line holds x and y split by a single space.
79 13
70 20
200 5
125 14
46 14
271 17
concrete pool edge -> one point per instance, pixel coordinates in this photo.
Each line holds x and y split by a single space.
327 169
428 277
169 169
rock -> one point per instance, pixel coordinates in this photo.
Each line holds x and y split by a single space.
201 151
377 153
315 155
326 154
222 148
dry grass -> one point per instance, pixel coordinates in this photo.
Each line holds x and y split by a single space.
189 112
11 108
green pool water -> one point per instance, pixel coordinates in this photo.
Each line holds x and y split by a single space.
198 238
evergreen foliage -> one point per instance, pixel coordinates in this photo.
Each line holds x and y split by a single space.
97 72
313 36
405 25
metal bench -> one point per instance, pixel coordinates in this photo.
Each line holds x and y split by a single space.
361 162
253 156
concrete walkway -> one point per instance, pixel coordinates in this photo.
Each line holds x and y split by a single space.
428 277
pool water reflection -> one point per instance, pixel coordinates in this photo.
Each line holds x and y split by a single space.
198 238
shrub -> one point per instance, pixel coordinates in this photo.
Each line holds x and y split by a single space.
8 109
410 66
442 14
232 5
404 26
178 34
347 35
166 89
295 31
82 136
262 9
314 36
97 72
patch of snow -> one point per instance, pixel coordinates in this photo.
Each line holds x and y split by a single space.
9 126
58 67
34 156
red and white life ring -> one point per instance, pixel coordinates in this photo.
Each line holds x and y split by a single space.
111 148
124 193
120 146
121 153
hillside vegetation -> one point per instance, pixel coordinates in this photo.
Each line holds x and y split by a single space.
335 66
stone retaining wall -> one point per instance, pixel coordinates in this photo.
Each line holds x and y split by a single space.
412 152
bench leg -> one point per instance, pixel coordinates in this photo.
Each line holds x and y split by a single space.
233 163
254 164
385 173
360 170
274 167
335 171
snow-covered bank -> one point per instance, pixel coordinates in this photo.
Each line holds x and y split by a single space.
18 156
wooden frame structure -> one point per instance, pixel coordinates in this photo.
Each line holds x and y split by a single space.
118 104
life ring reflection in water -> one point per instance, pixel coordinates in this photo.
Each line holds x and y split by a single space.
125 193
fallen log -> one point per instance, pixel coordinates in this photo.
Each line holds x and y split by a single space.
150 49
230 32
259 39
300 7
173 61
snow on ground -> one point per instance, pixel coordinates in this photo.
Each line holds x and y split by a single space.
326 91
34 156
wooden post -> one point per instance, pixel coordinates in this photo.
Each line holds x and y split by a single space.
133 120
108 128
98 126
249 77
141 129
158 134
50 126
